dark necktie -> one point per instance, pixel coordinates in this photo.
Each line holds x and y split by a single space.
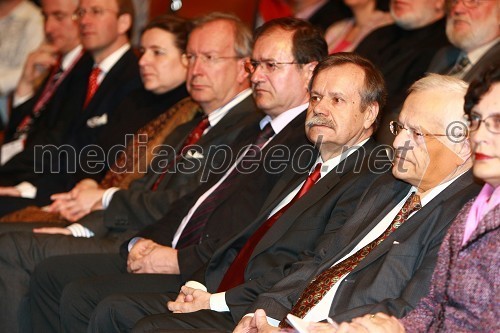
235 274
49 89
193 230
92 86
323 282
460 66
192 138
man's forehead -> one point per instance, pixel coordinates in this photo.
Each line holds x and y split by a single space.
274 43
204 37
349 77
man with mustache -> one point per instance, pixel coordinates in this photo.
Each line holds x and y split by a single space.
472 26
251 260
383 257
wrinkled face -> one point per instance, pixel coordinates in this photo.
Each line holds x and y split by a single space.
161 63
61 30
285 86
470 28
334 117
212 83
486 145
100 25
412 14
425 161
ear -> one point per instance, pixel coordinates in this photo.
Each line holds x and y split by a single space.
370 115
242 73
307 70
463 150
124 23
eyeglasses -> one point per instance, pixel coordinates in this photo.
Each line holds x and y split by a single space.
190 58
92 11
267 66
468 3
492 122
396 128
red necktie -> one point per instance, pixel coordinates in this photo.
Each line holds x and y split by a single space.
322 283
192 138
93 85
193 231
235 274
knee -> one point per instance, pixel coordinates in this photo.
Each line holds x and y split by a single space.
145 325
109 315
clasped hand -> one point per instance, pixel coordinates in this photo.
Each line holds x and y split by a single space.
190 300
149 257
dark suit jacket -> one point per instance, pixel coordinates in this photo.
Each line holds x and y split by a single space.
403 57
120 81
396 274
447 57
243 198
139 206
334 197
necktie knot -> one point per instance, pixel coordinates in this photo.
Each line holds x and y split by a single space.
197 132
460 66
265 134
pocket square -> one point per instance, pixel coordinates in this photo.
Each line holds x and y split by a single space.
97 121
395 242
194 154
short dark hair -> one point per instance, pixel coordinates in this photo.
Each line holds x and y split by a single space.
177 26
374 90
479 87
242 33
127 7
308 42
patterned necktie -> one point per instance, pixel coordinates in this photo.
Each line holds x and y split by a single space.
460 66
192 232
92 86
323 282
192 138
49 89
235 274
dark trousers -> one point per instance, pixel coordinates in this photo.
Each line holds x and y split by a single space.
65 290
20 252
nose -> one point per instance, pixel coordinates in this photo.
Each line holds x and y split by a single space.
49 24
143 61
401 140
457 6
480 134
257 76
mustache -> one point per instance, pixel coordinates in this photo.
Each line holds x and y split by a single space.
320 121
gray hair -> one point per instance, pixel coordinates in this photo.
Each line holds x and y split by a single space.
439 82
242 34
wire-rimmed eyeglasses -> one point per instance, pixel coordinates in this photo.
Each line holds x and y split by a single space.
267 66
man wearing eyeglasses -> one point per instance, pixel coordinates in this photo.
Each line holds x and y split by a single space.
340 123
57 163
383 257
472 26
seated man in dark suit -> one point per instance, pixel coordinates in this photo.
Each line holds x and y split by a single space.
472 28
54 163
382 260
339 120
220 84
404 50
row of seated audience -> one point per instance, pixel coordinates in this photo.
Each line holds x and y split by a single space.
219 216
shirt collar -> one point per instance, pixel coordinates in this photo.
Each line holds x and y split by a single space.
476 54
215 116
108 63
70 57
333 162
282 120
435 191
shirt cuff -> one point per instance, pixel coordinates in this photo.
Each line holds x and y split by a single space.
132 242
108 195
195 285
78 230
218 302
27 190
18 100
